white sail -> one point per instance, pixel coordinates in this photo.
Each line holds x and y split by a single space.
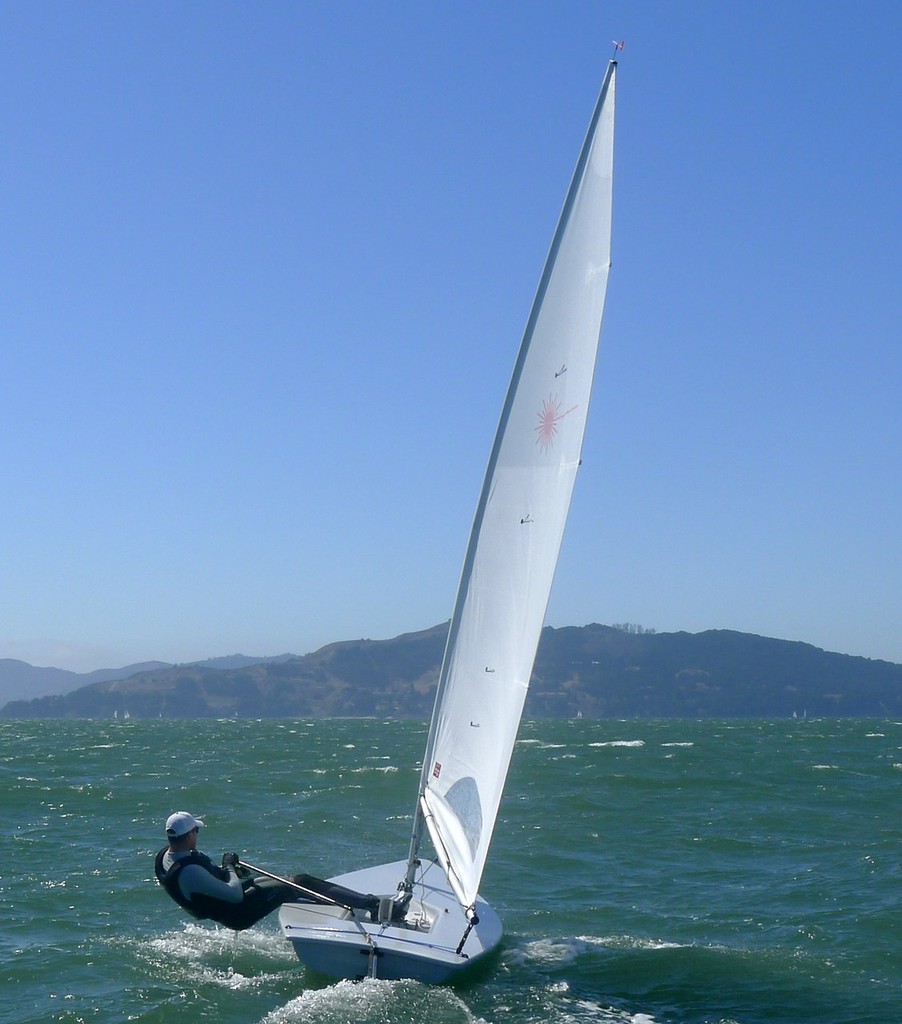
519 524
422 931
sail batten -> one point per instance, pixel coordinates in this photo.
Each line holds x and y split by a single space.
519 523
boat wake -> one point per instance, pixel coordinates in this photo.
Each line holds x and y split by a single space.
566 950
198 942
389 1002
237 961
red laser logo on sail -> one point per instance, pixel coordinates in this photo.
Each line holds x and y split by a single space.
549 417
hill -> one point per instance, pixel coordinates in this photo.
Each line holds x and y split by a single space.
20 681
597 671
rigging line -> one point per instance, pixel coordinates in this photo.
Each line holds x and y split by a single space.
471 924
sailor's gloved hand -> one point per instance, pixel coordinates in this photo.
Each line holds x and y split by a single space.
230 860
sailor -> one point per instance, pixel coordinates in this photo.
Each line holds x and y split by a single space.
231 894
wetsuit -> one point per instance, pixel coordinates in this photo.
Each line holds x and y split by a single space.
208 891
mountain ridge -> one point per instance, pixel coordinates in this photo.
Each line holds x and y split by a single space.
595 671
21 681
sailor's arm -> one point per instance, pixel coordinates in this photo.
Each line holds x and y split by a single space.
195 880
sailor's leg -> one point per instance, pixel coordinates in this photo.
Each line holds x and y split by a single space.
261 897
338 893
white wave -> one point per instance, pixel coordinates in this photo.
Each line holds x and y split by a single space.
196 943
550 951
634 942
197 955
235 981
587 1009
619 743
374 1000
566 950
557 1006
688 743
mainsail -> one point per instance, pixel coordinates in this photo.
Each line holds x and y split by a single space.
518 527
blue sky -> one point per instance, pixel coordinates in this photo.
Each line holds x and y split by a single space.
265 267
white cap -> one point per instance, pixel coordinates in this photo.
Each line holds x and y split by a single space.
181 823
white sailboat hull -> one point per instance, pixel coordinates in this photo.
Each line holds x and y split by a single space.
339 944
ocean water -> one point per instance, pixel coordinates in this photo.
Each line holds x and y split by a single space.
664 872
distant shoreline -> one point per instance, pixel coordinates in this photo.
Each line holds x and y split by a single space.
594 671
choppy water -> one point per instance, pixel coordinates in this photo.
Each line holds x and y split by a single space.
648 872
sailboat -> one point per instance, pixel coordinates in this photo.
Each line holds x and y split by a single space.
433 924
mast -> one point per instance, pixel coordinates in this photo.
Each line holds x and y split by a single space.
517 529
